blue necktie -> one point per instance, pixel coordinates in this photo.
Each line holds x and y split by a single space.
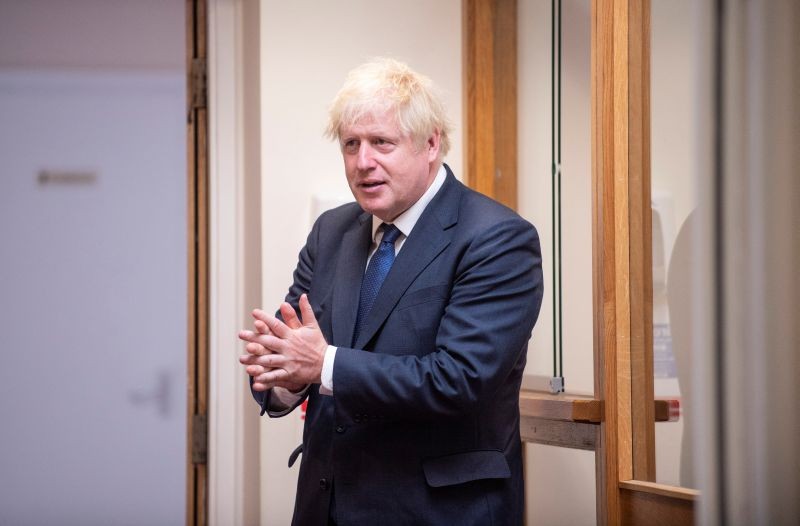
377 270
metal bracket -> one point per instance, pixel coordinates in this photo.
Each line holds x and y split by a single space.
199 83
557 384
199 439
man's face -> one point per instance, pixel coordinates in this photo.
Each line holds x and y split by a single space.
387 172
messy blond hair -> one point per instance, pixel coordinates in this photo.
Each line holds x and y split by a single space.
385 84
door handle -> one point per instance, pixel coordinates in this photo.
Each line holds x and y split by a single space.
159 395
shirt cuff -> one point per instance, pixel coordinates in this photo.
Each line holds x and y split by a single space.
283 398
326 382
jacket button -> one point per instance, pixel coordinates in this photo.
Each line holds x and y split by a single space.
340 429
323 484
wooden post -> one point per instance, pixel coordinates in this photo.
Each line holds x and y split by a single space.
622 275
490 80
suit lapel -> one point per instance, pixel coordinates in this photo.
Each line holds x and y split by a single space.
428 239
349 273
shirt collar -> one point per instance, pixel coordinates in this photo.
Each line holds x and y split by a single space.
405 222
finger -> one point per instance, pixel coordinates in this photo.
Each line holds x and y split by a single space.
252 336
307 313
247 359
261 327
290 316
246 335
260 386
256 370
276 326
260 315
256 349
271 361
266 342
271 377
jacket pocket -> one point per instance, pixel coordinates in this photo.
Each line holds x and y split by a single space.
459 468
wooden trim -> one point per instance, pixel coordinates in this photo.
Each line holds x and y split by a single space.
674 492
656 505
603 256
191 273
505 102
560 407
575 435
662 410
197 250
490 80
622 242
641 260
576 408
479 89
621 247
234 139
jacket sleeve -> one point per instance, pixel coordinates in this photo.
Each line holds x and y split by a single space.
482 336
301 283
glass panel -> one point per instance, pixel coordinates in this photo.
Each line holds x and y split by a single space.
538 82
676 100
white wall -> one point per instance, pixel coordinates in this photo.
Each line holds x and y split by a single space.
307 49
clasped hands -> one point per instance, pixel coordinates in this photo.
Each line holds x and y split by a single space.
286 353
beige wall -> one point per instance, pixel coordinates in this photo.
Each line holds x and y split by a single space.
307 47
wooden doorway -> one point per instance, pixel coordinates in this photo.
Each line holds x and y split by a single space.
197 250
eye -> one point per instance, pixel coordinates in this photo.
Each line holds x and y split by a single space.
382 144
351 146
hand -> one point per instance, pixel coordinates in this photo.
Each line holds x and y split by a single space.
286 354
256 349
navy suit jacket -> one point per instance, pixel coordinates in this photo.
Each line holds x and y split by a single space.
423 426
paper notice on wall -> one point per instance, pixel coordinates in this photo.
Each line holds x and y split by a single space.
663 359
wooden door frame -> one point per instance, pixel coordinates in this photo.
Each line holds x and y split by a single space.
622 272
618 422
197 257
224 225
490 102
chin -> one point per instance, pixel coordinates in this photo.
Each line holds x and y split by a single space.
371 208
381 214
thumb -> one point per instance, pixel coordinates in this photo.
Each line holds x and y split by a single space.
306 312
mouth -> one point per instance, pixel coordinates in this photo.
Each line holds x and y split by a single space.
369 185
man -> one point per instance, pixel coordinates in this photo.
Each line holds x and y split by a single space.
416 304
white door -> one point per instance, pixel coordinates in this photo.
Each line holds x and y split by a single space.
92 298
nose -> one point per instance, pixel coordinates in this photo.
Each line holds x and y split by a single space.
365 160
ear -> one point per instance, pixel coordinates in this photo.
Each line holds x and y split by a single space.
433 143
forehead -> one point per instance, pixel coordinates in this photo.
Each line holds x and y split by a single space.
375 123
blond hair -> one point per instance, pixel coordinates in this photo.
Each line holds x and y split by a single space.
385 84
